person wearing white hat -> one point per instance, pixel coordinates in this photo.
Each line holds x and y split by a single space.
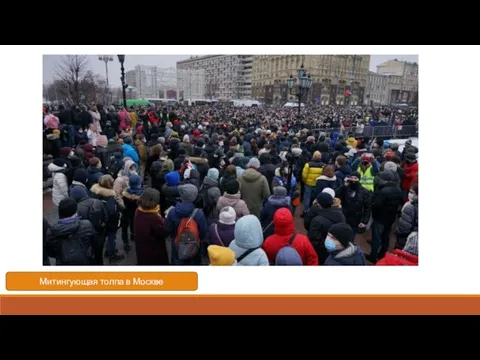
223 231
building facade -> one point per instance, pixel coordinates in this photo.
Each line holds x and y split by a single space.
332 76
402 81
152 81
190 83
226 77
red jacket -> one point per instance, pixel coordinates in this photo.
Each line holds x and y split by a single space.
399 258
410 176
284 229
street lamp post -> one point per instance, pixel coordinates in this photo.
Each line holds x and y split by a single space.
304 84
121 58
106 59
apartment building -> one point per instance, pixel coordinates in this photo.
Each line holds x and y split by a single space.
332 75
226 77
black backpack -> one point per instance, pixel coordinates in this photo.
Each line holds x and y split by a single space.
93 210
73 251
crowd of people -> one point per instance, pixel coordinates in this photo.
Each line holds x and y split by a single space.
222 185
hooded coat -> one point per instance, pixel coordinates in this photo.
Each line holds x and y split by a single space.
60 183
273 203
254 189
248 235
284 229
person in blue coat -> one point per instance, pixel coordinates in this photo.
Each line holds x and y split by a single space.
129 151
188 195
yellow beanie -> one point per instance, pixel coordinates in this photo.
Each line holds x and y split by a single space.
220 256
56 132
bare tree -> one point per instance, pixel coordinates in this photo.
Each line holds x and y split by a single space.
211 88
71 71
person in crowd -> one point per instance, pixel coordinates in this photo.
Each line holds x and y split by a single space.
93 134
278 200
91 209
71 240
343 170
408 256
368 168
149 230
281 179
221 256
185 209
356 202
267 168
248 241
94 171
209 194
328 179
101 152
321 217
142 153
285 236
408 221
154 157
342 248
311 171
410 172
129 151
113 205
229 174
58 169
232 197
170 189
385 203
222 232
186 145
254 187
121 181
130 199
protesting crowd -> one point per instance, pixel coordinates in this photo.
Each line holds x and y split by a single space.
222 185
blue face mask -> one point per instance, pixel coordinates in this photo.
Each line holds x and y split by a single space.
330 244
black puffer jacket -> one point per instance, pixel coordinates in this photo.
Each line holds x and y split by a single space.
319 229
267 168
357 209
63 230
155 171
385 203
407 223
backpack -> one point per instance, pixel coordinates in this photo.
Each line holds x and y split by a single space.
93 210
113 168
203 199
187 241
73 250
289 245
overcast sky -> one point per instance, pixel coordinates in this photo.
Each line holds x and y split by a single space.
163 61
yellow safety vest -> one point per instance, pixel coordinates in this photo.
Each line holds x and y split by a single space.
366 179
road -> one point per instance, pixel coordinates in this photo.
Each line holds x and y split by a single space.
130 258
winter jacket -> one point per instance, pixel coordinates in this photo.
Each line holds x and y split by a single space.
284 229
60 183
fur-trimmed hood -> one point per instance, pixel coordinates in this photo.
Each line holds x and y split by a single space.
100 191
198 160
323 177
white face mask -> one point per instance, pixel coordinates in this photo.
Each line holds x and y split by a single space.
71 153
285 170
220 143
411 197
222 163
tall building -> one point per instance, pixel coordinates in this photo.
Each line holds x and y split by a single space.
394 82
152 81
332 75
226 76
191 83
131 78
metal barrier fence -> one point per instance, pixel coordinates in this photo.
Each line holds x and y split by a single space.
389 132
